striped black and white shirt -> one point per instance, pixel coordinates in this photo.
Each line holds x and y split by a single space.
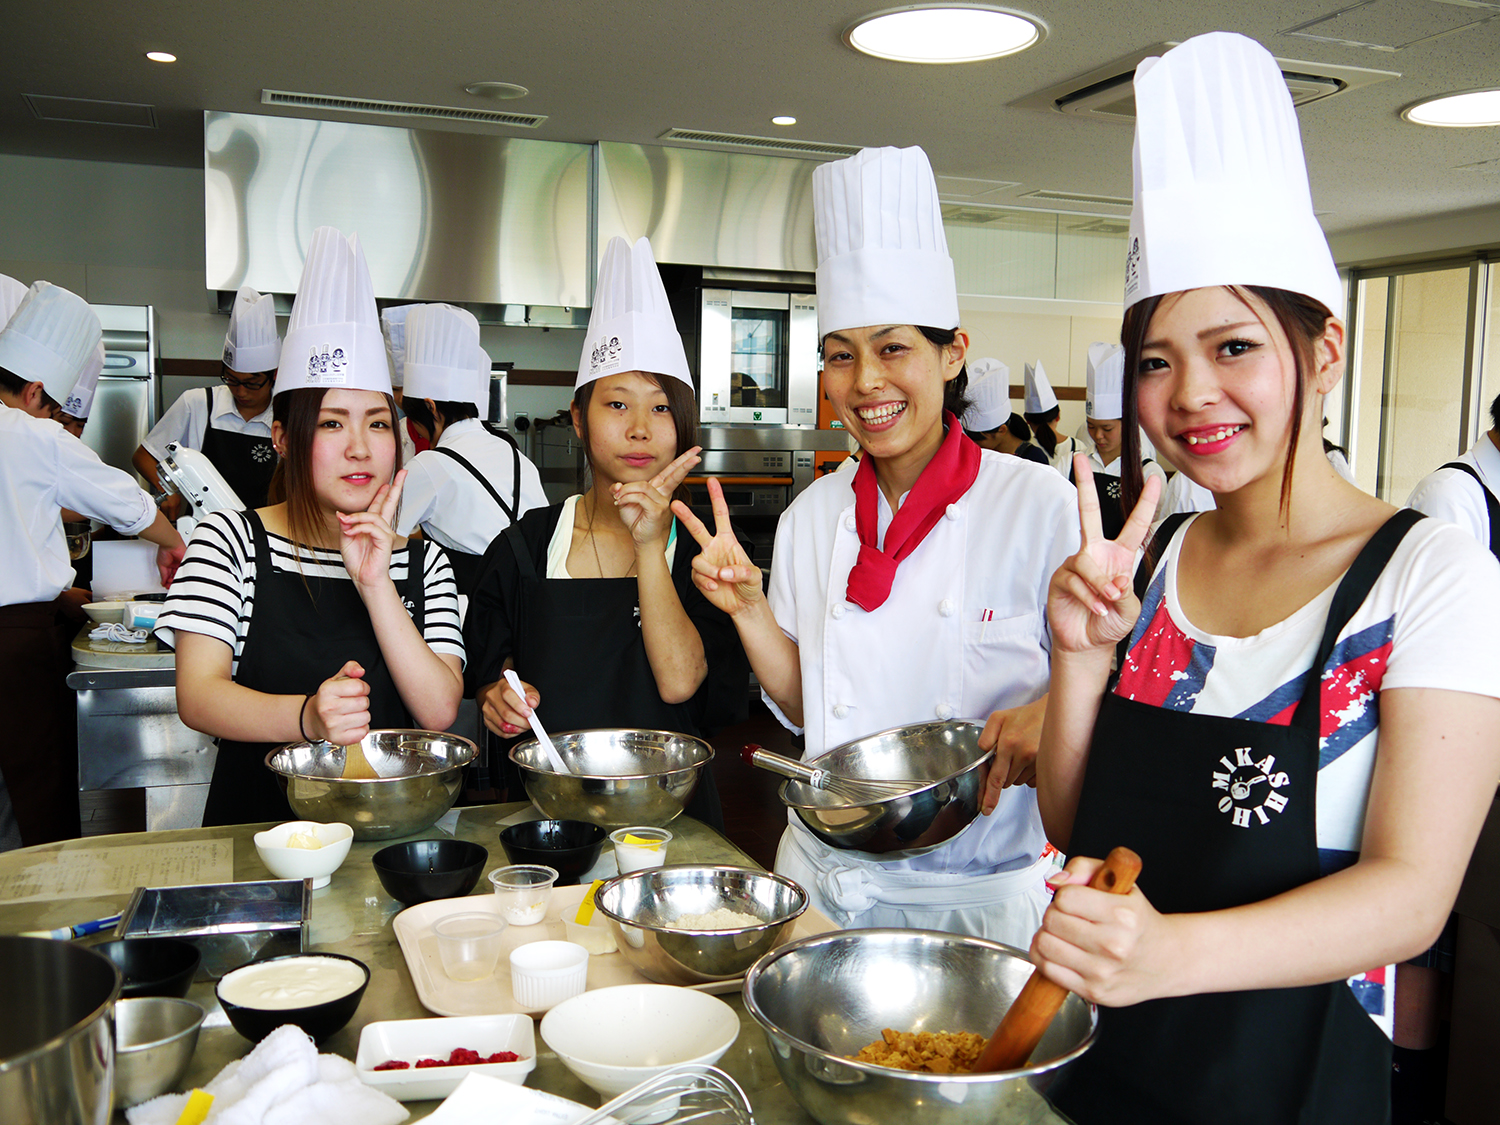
214 590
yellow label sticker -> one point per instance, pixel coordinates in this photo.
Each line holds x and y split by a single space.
642 842
586 907
198 1105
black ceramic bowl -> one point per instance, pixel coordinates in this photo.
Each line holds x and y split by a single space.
318 1020
569 846
153 966
423 870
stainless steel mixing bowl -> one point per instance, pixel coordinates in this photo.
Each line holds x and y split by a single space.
621 777
821 999
155 1037
944 756
642 907
421 773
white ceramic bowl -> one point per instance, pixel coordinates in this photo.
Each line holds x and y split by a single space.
317 864
616 1038
410 1040
105 613
545 973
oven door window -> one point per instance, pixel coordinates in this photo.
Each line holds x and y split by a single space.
758 358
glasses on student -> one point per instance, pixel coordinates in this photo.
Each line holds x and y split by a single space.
254 383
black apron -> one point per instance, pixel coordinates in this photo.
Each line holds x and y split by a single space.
1111 510
246 462
301 633
578 642
466 567
1223 813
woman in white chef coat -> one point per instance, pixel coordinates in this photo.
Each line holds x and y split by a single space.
471 483
1106 372
874 621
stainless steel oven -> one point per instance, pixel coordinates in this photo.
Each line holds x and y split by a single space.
758 358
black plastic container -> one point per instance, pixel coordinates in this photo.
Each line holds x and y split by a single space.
570 847
423 870
153 966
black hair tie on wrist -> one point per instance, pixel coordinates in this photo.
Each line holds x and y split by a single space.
302 711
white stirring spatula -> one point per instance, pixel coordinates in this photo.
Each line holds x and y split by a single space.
553 757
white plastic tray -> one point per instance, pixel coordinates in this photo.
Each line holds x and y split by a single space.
411 1040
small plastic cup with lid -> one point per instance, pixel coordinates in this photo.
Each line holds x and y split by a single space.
469 944
523 891
544 973
638 848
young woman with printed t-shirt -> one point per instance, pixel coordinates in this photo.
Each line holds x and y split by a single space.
592 601
1303 736
311 619
910 590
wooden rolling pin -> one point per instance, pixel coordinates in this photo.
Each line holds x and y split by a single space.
1027 1020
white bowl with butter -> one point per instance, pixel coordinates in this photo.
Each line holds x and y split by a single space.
304 849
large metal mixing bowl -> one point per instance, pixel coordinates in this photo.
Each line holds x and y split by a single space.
643 906
823 998
620 778
946 756
57 1056
421 773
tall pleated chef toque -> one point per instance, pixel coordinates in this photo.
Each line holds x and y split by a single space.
882 254
631 326
50 337
442 354
393 329
1106 380
81 400
1221 192
12 293
989 393
1039 396
251 344
333 339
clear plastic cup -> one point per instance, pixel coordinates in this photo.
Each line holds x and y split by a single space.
640 847
544 973
523 891
469 944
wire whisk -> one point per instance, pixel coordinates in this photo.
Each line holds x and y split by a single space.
860 790
691 1092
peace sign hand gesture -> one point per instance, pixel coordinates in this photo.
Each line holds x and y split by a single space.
645 504
722 570
1091 602
367 537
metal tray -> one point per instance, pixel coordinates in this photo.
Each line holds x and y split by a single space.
231 923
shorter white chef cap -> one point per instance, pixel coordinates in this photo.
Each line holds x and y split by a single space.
82 398
1221 193
49 339
483 369
441 342
1106 381
251 344
882 252
989 392
12 293
1039 396
393 329
333 337
631 326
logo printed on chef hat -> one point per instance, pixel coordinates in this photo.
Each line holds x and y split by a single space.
82 399
882 253
1039 396
1106 380
50 338
440 344
251 344
1221 193
989 393
333 337
631 326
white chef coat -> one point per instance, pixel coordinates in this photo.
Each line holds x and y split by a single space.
1062 455
44 469
453 508
189 417
962 634
1455 496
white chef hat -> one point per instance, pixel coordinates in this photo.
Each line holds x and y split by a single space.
1039 396
989 393
251 344
393 329
631 326
440 360
51 335
82 398
12 293
483 369
882 254
1106 380
333 337
1221 193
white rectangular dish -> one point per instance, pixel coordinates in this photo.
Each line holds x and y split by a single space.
410 1040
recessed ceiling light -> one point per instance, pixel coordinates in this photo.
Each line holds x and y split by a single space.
500 91
1468 110
783 120
952 33
161 56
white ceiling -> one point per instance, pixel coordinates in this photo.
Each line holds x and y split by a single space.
628 71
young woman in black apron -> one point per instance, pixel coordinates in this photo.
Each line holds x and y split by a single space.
581 600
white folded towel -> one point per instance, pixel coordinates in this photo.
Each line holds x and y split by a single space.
114 631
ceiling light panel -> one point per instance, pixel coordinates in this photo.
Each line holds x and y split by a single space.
1469 110
955 33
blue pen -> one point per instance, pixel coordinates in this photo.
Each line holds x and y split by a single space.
83 929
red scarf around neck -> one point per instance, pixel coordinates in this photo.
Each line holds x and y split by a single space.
951 472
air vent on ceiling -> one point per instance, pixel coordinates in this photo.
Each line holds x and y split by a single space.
1393 25
780 146
402 109
980 216
1046 196
87 111
1099 226
967 188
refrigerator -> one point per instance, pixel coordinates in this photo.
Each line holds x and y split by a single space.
125 404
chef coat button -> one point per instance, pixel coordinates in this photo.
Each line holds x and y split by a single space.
840 711
945 607
952 512
848 523
838 610
944 711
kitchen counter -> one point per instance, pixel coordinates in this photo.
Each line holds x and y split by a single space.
353 915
